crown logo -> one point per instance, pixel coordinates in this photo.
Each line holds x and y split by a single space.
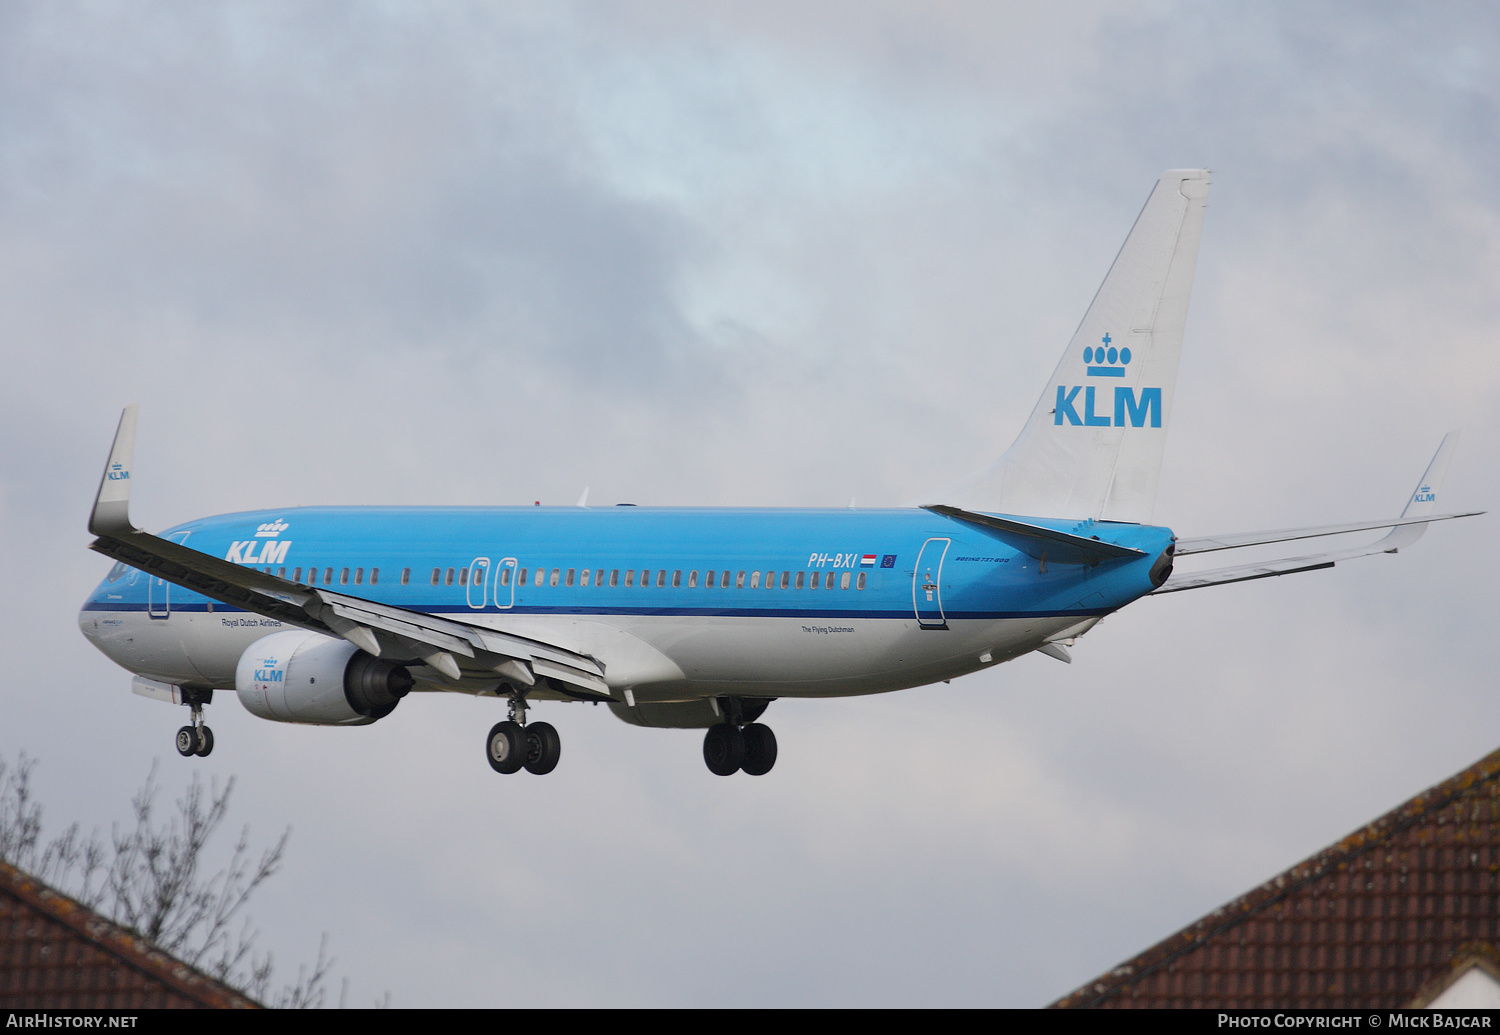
1105 360
272 529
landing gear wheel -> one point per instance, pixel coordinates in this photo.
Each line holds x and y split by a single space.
724 749
543 748
205 742
506 747
187 742
760 749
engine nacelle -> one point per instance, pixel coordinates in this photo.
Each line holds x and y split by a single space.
302 676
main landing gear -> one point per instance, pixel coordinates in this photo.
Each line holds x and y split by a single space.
196 739
738 746
514 744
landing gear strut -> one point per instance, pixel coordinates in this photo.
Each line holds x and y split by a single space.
738 746
514 745
197 738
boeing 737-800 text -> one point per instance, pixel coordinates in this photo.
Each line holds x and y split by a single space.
698 618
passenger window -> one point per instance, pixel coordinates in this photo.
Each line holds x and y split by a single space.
599 577
844 582
814 579
614 577
521 578
296 574
359 576
312 576
448 579
676 579
541 573
786 578
281 573
405 576
799 579
770 580
505 576
374 576
583 577
344 577
725 580
861 583
755 580
708 579
437 574
692 580
568 581
327 576
629 577
463 576
556 572
478 576
661 578
739 581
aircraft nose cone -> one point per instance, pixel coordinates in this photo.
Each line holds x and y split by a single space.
88 624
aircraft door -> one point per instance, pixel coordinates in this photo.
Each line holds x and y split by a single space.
927 582
159 591
479 588
505 583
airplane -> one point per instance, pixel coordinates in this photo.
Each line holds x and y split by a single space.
700 618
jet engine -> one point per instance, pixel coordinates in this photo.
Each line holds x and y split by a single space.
302 676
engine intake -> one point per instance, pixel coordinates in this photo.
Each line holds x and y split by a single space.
302 676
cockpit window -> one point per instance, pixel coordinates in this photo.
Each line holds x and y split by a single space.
118 571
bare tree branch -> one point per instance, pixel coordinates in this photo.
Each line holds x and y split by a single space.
148 878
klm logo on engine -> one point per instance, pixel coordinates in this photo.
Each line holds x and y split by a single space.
268 675
1130 410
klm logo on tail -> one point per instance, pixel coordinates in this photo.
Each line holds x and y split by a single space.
1424 495
117 473
1107 361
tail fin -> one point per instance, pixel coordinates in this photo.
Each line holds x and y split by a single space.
1093 445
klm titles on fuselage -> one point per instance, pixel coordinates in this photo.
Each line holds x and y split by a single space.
270 549
1107 361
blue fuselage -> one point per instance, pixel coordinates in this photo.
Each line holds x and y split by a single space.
780 602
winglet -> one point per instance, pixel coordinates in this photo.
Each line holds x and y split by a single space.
1423 500
111 516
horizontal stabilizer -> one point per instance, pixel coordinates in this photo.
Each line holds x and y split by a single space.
1046 544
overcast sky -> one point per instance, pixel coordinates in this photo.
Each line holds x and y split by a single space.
768 254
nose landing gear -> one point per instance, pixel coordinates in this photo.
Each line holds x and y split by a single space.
197 738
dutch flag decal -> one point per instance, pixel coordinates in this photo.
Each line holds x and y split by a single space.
867 561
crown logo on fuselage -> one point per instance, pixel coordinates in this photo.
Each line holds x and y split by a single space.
272 529
1106 360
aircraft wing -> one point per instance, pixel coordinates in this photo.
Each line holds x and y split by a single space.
1404 531
1234 541
378 629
